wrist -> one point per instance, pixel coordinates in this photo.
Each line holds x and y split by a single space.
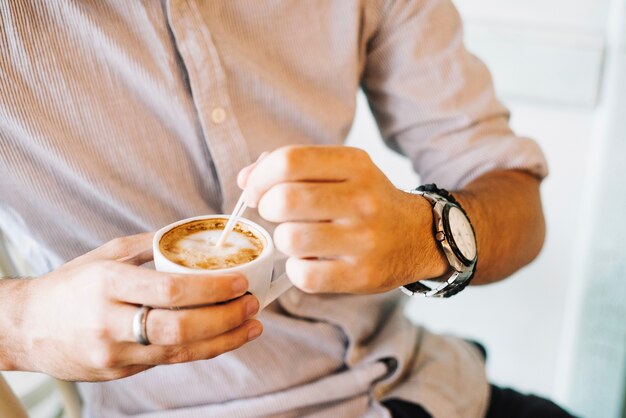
427 259
14 296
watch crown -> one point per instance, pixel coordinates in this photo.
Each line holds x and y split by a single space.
440 236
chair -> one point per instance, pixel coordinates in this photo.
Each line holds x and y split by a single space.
40 392
10 406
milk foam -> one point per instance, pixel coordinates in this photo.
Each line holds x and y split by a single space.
204 242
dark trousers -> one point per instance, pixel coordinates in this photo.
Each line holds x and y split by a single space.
504 403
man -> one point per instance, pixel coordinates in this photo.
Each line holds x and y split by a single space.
120 117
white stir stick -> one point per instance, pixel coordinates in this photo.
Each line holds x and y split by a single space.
240 208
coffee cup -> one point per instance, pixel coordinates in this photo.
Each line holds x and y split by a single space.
251 255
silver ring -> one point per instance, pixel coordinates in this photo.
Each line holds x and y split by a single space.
140 321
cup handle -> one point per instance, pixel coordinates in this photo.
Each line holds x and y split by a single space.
277 288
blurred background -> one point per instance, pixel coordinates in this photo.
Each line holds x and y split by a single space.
558 327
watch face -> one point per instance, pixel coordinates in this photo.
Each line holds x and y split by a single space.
462 233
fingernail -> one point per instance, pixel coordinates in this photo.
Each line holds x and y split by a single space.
239 285
252 306
254 332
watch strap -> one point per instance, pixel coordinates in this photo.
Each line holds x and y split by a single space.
432 188
450 287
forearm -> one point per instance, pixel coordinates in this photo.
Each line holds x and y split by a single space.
505 210
13 295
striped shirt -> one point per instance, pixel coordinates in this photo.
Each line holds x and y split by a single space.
118 117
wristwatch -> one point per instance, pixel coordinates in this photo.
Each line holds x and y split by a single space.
455 234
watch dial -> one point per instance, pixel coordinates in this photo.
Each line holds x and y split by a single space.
462 233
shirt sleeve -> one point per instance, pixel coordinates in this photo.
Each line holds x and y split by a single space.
435 103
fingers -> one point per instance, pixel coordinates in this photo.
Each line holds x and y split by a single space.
167 327
184 326
321 239
175 335
302 201
142 286
324 276
303 163
201 350
133 249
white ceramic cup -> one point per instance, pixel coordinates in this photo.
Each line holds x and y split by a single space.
258 271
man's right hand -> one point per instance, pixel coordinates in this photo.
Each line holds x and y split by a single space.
75 323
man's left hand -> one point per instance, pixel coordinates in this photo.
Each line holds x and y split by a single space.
343 224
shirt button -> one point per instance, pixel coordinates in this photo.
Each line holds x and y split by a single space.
218 115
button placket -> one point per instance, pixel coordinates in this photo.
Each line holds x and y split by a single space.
222 135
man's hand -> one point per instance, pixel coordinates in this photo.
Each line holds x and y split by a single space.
346 228
342 223
75 323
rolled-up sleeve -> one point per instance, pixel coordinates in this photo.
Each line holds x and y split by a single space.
434 101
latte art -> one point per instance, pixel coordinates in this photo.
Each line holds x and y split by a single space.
194 245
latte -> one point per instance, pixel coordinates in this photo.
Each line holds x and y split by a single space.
193 245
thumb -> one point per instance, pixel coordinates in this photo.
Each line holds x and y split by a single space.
133 249
244 174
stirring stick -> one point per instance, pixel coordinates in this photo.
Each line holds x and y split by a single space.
240 208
